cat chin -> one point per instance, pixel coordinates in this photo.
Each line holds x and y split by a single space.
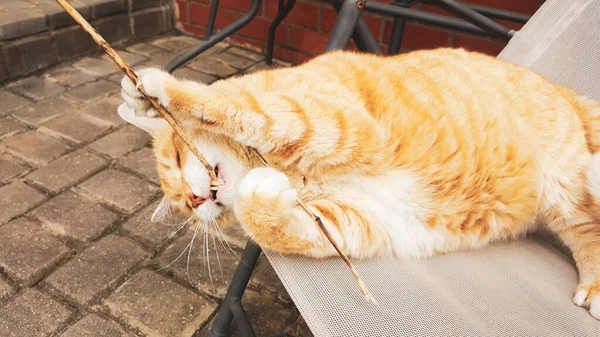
208 212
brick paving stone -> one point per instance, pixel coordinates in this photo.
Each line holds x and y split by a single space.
10 168
177 43
266 316
29 55
9 127
234 60
28 251
131 59
213 67
222 261
44 111
122 141
93 325
69 76
157 306
120 189
96 66
37 88
105 110
77 128
150 233
32 313
93 91
34 147
190 74
67 170
73 216
246 53
96 269
141 162
17 198
5 290
159 60
145 49
10 102
298 329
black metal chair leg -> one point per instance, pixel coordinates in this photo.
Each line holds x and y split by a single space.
345 24
212 16
362 35
216 38
282 12
230 308
397 33
241 318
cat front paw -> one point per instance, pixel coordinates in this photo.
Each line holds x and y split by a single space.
153 82
588 295
265 198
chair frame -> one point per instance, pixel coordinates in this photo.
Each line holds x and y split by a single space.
349 25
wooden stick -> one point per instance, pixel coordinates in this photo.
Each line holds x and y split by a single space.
361 285
215 182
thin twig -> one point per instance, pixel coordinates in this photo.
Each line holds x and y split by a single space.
215 182
132 75
317 220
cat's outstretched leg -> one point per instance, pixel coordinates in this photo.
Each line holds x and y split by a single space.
584 242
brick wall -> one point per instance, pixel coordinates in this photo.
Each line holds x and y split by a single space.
305 31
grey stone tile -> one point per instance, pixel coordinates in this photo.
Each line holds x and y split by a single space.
28 251
10 168
93 91
93 325
96 269
74 216
122 141
10 102
78 128
45 110
157 306
34 147
37 88
69 76
32 313
67 170
16 198
9 127
120 189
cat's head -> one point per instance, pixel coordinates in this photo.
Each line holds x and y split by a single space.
184 180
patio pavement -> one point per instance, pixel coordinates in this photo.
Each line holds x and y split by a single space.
78 255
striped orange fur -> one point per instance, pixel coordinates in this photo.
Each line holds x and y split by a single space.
408 156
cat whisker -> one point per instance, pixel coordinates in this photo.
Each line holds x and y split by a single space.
176 231
180 255
187 267
208 258
214 223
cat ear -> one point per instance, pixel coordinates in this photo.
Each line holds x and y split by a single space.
151 125
163 210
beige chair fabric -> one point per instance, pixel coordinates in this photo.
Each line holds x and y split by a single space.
512 289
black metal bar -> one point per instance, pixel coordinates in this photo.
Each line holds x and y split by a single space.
500 14
397 33
362 34
241 318
239 282
433 19
212 16
344 25
282 12
472 16
492 12
216 38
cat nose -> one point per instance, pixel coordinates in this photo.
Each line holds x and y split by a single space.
196 200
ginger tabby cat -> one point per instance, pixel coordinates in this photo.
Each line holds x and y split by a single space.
407 156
